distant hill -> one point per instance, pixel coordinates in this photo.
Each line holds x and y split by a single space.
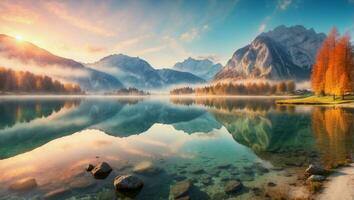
22 55
280 54
172 77
138 73
205 68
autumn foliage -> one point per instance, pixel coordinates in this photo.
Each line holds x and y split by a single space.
333 71
19 81
250 88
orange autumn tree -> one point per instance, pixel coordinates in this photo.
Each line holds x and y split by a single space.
332 73
344 55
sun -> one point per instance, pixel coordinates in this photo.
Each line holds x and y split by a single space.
19 37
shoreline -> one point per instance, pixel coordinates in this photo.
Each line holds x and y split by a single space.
340 185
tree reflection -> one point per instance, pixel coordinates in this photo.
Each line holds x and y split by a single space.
333 128
12 112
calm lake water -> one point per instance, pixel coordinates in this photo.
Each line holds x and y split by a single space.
206 140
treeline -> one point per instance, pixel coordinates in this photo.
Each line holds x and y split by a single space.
333 71
251 88
128 91
183 90
19 81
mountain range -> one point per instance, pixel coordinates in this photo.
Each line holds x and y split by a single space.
136 72
281 54
203 68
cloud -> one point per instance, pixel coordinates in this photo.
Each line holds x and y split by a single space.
284 4
151 50
16 13
194 33
95 49
213 58
262 27
63 13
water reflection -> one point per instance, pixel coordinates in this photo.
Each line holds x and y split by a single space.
182 137
334 131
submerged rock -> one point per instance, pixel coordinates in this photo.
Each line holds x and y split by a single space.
146 167
101 171
271 184
89 167
55 194
224 166
24 184
316 178
316 170
128 182
181 189
233 186
81 183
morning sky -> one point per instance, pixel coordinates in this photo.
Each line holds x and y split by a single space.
162 32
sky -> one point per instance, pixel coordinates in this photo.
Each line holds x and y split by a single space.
162 32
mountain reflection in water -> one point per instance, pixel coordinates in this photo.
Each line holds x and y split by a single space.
174 134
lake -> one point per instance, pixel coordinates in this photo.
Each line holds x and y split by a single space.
163 140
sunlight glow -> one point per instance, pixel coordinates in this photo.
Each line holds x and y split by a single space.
19 37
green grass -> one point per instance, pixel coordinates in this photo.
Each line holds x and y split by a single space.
316 100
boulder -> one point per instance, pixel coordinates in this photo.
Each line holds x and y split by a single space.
233 186
101 171
181 189
24 184
316 178
128 182
316 170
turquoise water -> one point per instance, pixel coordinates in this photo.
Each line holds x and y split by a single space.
161 140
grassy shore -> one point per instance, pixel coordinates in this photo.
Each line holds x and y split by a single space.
315 100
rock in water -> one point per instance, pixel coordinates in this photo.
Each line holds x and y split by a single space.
24 184
233 186
89 167
101 171
316 170
128 182
181 189
316 178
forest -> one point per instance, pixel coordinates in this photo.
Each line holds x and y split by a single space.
333 71
25 82
128 91
251 88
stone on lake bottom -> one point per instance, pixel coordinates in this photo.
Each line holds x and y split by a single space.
181 189
81 183
233 186
271 184
24 184
55 194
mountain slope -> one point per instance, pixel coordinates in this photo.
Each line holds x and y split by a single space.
136 72
27 56
202 68
171 77
284 53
